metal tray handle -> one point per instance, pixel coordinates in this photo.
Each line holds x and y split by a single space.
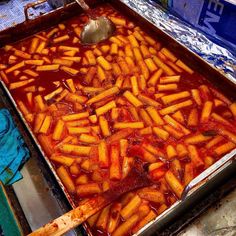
208 173
39 2
31 5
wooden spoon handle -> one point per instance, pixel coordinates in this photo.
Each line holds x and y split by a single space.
72 218
75 217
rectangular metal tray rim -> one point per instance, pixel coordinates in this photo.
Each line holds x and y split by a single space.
176 204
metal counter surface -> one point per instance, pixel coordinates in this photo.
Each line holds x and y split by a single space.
218 220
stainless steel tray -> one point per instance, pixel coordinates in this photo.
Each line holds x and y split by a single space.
202 183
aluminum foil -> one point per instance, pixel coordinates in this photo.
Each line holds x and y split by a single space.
218 56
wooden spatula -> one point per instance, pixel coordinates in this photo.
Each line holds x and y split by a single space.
137 178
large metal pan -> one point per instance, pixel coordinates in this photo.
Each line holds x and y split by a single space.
203 183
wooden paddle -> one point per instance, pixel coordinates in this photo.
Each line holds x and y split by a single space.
137 178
